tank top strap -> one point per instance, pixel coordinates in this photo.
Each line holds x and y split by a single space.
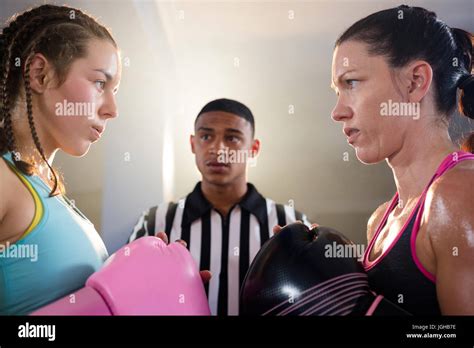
449 162
31 186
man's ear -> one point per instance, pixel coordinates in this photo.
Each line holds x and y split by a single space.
418 78
41 73
255 149
191 141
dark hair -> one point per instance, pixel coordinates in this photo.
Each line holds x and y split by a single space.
230 106
404 33
468 144
61 34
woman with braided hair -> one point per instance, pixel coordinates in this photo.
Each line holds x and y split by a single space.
59 73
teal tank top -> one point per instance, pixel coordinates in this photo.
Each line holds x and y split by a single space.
53 258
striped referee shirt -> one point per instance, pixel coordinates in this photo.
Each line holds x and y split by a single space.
224 245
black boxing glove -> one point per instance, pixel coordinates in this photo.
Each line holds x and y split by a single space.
295 274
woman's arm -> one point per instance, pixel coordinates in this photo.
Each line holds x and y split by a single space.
449 220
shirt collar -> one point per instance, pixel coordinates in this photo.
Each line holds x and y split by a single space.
197 205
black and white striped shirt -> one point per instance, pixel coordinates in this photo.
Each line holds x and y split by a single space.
225 246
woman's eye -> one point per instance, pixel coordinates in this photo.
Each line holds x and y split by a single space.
100 84
351 83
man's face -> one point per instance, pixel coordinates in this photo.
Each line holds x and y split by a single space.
222 143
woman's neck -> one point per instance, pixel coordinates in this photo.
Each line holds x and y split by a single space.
25 145
415 163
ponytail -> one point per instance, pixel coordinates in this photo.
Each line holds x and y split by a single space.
464 42
468 144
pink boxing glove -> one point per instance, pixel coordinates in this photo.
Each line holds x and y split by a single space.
145 277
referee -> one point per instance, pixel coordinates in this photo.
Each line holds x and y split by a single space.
224 220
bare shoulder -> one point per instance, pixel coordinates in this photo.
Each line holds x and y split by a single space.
375 219
453 190
449 206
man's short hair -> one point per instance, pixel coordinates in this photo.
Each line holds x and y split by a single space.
230 106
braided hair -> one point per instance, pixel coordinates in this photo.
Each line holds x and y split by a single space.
61 34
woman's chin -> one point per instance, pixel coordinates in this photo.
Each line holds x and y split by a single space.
78 150
366 156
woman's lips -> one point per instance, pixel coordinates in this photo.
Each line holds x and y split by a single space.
351 134
96 132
